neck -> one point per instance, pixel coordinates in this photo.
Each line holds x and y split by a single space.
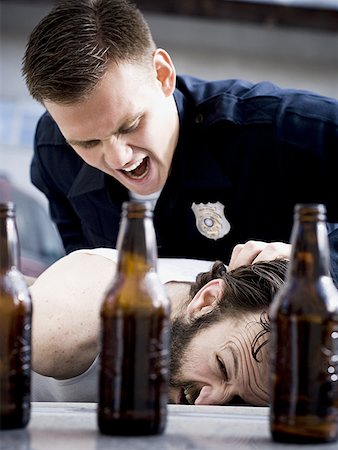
178 293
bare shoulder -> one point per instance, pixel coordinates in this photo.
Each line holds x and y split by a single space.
66 302
75 270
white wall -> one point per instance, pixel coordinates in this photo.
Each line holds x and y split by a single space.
210 49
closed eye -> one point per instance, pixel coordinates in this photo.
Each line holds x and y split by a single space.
86 144
222 368
132 127
128 130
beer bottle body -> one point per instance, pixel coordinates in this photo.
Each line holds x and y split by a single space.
134 344
304 343
15 329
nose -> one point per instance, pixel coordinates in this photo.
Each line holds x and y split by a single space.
116 154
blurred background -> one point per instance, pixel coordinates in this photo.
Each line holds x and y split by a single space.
293 43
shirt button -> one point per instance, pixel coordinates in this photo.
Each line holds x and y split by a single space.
199 118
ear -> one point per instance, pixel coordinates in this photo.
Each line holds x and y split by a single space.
205 299
165 71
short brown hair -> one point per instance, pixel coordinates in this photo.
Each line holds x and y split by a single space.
70 49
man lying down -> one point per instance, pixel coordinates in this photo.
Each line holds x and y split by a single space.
220 328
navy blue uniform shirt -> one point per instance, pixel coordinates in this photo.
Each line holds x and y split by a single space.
255 150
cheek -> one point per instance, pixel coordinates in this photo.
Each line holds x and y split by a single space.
157 130
253 376
145 138
256 381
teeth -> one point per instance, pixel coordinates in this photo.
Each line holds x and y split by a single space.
134 166
188 396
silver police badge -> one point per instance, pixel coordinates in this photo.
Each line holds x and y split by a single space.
210 219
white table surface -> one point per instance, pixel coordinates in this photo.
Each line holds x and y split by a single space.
72 426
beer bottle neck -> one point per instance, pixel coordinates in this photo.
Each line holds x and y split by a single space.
9 241
310 248
137 244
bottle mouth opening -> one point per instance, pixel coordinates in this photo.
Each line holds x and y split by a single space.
137 209
309 212
8 208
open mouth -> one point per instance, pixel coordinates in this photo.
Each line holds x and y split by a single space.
186 397
181 398
138 170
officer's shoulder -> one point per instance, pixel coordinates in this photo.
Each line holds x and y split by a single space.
48 133
310 105
52 150
204 91
200 91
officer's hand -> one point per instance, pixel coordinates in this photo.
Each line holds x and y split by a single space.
255 251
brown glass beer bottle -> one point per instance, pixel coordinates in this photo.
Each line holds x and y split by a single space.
304 341
134 334
15 327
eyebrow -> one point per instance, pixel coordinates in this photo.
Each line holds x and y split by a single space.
75 142
127 122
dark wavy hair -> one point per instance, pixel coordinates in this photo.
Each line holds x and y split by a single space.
246 289
70 50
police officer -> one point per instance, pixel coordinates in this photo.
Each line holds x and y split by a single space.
224 162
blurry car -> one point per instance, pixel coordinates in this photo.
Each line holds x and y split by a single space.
40 244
